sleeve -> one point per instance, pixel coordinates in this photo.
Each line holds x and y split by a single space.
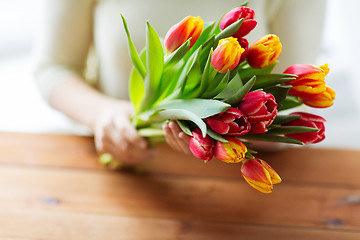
299 25
62 42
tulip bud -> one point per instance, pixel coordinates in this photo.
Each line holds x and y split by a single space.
236 14
227 55
259 175
202 148
308 120
231 122
232 151
260 108
310 85
264 51
189 27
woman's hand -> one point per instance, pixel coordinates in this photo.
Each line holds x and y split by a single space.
177 139
114 134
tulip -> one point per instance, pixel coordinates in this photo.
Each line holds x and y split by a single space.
232 151
322 100
227 55
259 175
308 120
310 85
260 108
189 27
310 79
231 122
264 52
202 148
236 14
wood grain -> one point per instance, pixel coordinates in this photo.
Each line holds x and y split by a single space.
52 187
165 196
75 226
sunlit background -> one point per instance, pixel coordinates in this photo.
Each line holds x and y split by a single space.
23 110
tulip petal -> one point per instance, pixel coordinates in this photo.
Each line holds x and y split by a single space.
257 176
202 148
218 125
275 178
232 151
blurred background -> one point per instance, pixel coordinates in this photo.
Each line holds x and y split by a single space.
23 110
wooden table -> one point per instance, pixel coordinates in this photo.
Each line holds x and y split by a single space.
52 187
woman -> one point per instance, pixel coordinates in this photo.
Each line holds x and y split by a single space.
76 34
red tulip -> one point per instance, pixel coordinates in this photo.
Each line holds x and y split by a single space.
231 152
189 27
226 55
259 175
264 52
308 120
202 148
236 14
231 122
260 108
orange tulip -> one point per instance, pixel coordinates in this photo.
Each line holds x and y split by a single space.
189 27
310 85
260 175
322 100
227 55
231 152
264 52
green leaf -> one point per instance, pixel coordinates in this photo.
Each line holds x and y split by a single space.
169 80
248 72
249 155
279 92
203 108
291 129
230 90
229 31
281 119
251 151
185 71
268 80
181 114
193 78
184 127
206 48
133 53
177 55
240 94
270 138
207 76
154 64
289 102
216 136
222 84
136 85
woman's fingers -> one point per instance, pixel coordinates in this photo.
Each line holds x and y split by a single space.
170 139
116 135
126 132
174 137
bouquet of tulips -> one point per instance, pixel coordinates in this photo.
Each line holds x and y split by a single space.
221 91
